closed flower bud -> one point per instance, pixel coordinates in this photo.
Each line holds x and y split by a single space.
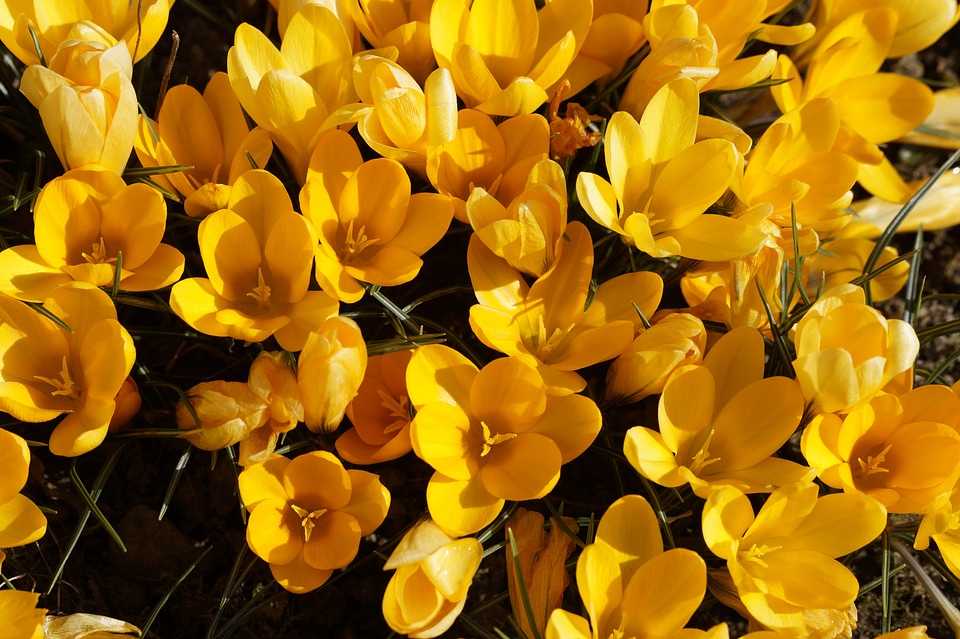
329 373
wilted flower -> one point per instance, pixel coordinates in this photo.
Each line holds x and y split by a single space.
380 413
208 132
329 372
307 515
729 434
901 451
257 253
85 230
86 100
21 522
138 24
782 558
542 556
677 340
429 589
371 228
847 352
49 370
490 435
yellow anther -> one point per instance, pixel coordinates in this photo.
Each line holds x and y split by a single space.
490 440
261 292
65 385
98 254
398 408
872 464
308 519
354 245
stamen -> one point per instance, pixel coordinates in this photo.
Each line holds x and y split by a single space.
261 292
98 254
490 440
308 519
65 385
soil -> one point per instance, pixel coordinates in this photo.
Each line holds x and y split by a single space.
202 525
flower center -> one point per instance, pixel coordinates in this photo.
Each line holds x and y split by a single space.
65 385
872 464
308 519
543 344
397 407
260 292
355 244
756 552
702 458
490 440
98 254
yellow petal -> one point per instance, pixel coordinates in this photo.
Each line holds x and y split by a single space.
630 531
461 507
444 437
895 105
664 593
23 523
274 532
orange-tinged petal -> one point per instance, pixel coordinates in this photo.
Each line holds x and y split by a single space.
461 507
525 467
317 480
161 269
334 542
196 302
369 501
572 422
445 437
231 253
263 481
137 236
592 345
22 522
440 374
755 423
600 585
649 455
664 593
299 577
509 394
630 531
500 331
376 197
189 130
288 254
388 266
274 532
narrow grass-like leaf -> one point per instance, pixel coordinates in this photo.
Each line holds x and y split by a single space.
475 627
661 513
911 305
557 516
147 171
50 316
943 366
140 302
98 484
887 236
36 42
256 602
149 123
940 330
950 612
175 479
522 584
886 591
253 162
166 597
779 342
91 505
487 533
873 585
880 270
932 130
117 272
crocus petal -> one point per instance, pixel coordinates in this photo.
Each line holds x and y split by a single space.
274 532
572 422
298 576
440 374
525 467
630 531
22 522
664 593
647 453
334 542
317 481
600 584
263 481
861 518
369 501
443 436
508 393
883 106
461 507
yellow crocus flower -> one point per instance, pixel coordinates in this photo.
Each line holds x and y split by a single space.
402 121
371 229
505 54
21 522
257 254
900 450
290 92
545 324
86 100
782 559
661 182
728 436
629 585
50 371
53 21
495 157
330 370
404 24
208 132
84 232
